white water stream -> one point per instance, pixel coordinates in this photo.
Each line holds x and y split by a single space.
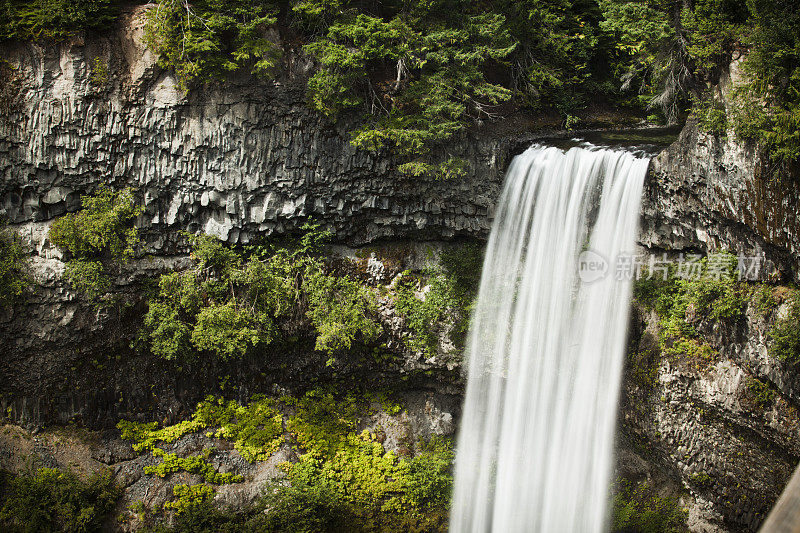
546 346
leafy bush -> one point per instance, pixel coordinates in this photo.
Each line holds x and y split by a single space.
425 316
431 482
306 508
451 293
88 277
50 499
440 83
341 310
785 334
230 331
680 302
219 306
14 275
760 393
190 497
100 234
229 307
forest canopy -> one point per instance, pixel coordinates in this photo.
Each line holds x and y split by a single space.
412 73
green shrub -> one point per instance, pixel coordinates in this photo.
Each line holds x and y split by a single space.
87 277
255 429
440 80
425 317
100 234
50 499
785 334
220 305
760 393
14 276
230 331
306 508
357 468
341 310
190 497
431 478
195 464
102 228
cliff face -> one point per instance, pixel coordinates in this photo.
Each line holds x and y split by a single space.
250 159
710 192
234 161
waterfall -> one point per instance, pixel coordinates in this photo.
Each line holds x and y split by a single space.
546 345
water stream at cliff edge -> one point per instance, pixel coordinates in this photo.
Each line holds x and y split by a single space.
546 345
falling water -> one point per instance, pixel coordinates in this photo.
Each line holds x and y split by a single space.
546 345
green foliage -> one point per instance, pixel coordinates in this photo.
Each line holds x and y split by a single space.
425 316
430 472
255 429
356 467
306 508
763 298
452 168
438 83
100 234
99 76
768 107
221 305
701 479
50 499
230 331
56 19
760 393
711 115
231 308
680 302
102 228
561 57
341 310
190 497
195 464
14 276
637 507
87 277
209 39
785 334
449 298
343 480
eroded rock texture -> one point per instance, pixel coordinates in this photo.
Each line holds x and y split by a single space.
726 427
708 192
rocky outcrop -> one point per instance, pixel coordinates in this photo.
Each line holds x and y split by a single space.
709 192
726 428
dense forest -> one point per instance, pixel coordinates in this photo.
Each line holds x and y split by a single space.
412 73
